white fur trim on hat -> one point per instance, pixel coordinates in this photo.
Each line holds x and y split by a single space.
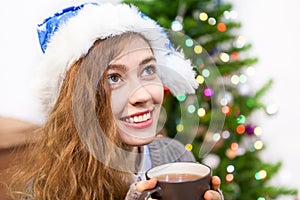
75 37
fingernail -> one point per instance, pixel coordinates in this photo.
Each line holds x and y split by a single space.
211 196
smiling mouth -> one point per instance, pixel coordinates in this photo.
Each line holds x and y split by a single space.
138 118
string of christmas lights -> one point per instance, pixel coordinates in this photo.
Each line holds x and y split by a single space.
243 127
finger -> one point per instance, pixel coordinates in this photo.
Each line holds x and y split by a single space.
216 182
145 185
212 195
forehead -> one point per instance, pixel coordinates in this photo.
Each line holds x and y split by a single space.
133 50
135 44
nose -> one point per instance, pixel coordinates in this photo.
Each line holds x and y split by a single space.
140 96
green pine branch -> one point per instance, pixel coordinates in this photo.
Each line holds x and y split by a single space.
248 183
227 68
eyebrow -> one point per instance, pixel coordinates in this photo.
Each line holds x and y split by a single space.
123 68
117 67
147 60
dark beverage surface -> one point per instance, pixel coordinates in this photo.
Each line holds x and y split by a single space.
177 177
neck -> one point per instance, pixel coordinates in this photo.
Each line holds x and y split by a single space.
139 150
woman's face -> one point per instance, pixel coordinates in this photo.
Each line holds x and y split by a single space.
137 93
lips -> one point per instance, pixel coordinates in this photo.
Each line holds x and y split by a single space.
138 120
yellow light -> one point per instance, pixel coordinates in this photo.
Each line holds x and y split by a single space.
198 49
201 112
200 79
235 79
179 127
240 42
203 16
224 57
258 145
258 131
189 147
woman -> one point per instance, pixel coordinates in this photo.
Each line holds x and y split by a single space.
101 85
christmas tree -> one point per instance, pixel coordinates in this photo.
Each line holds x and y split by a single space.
216 124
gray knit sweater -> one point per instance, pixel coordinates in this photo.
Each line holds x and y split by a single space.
166 150
163 150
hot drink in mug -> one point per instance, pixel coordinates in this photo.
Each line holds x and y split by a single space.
179 181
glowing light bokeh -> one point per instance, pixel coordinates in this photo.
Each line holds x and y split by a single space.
201 112
191 109
200 79
221 27
240 129
208 92
176 26
203 16
181 98
212 21
230 168
189 147
179 127
198 49
224 57
189 42
260 175
225 134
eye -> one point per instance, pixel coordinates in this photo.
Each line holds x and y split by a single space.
114 79
149 70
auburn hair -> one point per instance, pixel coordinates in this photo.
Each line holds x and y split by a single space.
72 155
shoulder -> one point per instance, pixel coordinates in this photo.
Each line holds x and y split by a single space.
167 143
164 150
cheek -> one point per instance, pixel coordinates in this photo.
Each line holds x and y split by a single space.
157 93
119 98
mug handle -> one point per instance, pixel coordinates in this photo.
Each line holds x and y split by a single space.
147 193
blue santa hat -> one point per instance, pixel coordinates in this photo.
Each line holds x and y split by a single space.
68 35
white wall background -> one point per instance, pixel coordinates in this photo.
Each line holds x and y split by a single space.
20 53
271 26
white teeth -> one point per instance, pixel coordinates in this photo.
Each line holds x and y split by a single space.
140 118
144 117
130 120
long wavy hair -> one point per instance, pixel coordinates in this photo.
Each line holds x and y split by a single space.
71 158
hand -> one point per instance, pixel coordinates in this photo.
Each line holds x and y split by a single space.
213 194
209 195
141 186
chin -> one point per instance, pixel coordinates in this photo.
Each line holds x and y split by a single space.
136 141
